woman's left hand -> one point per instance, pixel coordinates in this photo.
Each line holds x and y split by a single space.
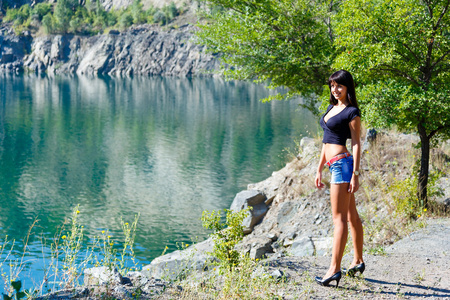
354 184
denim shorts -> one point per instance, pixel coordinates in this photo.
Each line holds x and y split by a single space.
342 170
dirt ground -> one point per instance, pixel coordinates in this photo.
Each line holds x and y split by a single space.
417 266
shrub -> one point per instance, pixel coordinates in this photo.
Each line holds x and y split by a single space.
48 23
125 20
159 17
225 235
40 10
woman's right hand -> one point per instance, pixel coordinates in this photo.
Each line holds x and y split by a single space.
318 181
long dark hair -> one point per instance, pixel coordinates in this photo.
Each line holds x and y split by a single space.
345 78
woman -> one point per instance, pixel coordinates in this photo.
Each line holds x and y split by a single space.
341 121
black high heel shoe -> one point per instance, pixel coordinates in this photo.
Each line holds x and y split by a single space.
326 282
358 268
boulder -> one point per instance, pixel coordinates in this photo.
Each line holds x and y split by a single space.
371 136
302 246
260 247
102 276
444 200
137 279
176 264
254 199
322 245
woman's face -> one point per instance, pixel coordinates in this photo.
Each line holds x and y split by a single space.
339 91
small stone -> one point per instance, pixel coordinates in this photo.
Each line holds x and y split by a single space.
279 275
122 292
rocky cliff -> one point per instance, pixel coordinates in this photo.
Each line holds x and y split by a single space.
141 50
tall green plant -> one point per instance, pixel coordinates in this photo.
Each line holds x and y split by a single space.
225 235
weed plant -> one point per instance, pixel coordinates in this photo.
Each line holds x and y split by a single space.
235 275
71 253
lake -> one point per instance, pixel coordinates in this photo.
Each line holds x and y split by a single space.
166 148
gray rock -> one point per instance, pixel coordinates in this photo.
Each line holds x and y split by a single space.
76 293
371 136
121 292
285 211
302 246
279 275
425 241
137 278
260 247
322 245
444 185
102 276
254 199
176 264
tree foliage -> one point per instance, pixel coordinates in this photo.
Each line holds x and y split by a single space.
284 41
398 51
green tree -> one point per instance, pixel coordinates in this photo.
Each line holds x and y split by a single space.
137 12
40 10
284 41
64 11
170 11
159 17
48 23
399 52
125 20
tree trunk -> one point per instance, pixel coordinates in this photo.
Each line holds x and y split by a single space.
424 166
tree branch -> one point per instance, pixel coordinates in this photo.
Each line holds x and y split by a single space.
441 16
397 71
432 133
414 54
440 58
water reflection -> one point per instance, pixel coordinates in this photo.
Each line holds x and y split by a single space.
167 148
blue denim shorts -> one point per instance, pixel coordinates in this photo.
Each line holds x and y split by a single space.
342 170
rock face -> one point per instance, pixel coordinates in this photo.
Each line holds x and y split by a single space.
141 50
13 50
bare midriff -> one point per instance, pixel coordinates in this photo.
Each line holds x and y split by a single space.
331 150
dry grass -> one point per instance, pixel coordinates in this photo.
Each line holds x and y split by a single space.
387 202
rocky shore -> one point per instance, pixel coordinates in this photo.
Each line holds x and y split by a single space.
140 50
289 231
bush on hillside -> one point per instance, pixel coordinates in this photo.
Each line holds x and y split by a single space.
68 16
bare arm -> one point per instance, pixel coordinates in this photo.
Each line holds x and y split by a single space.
322 160
355 130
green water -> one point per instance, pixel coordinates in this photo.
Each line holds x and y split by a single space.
166 148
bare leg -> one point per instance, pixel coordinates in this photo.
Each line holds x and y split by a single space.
340 200
357 232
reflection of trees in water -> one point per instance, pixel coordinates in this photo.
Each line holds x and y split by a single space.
165 147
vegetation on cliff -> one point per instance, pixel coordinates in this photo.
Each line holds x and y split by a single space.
69 16
399 52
